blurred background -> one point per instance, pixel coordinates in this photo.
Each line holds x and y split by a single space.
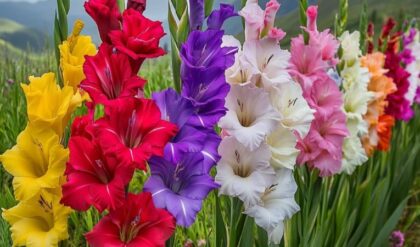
28 24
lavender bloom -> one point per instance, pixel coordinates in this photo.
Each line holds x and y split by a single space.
397 239
196 14
218 17
180 187
204 62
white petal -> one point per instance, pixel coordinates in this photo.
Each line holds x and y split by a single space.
243 173
296 114
353 154
282 144
250 117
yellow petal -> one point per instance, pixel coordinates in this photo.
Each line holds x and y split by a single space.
38 222
37 162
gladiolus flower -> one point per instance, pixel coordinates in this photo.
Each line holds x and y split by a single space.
204 62
41 221
250 117
96 177
136 223
384 129
276 204
109 76
48 105
180 187
243 173
133 130
106 15
72 56
37 162
134 41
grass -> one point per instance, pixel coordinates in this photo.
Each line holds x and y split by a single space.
15 68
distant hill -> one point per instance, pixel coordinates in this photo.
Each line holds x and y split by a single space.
22 37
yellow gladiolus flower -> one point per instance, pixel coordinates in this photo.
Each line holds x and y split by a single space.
48 105
40 222
72 55
37 162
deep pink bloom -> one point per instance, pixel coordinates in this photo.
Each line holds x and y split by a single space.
306 63
94 178
397 239
139 37
325 97
133 130
329 131
138 223
106 15
398 105
109 76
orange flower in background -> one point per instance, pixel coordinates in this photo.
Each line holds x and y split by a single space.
380 125
384 129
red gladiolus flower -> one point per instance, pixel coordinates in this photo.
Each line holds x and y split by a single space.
109 76
106 15
138 223
94 178
139 37
133 129
139 5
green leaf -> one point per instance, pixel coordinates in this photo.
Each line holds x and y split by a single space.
208 7
183 28
382 237
62 20
176 65
247 235
221 236
262 238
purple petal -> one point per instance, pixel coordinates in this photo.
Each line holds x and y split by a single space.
218 17
173 107
196 14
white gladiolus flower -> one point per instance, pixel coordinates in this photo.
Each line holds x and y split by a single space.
242 173
353 154
350 46
276 205
241 72
282 144
296 114
268 60
250 116
356 100
413 80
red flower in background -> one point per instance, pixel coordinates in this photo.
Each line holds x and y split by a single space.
106 15
109 76
139 5
94 178
139 37
138 223
134 131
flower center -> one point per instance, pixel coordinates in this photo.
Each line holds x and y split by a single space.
102 171
239 169
131 229
244 118
45 221
132 136
176 185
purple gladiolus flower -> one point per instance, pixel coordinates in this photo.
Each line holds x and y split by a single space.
218 17
204 62
196 14
180 187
